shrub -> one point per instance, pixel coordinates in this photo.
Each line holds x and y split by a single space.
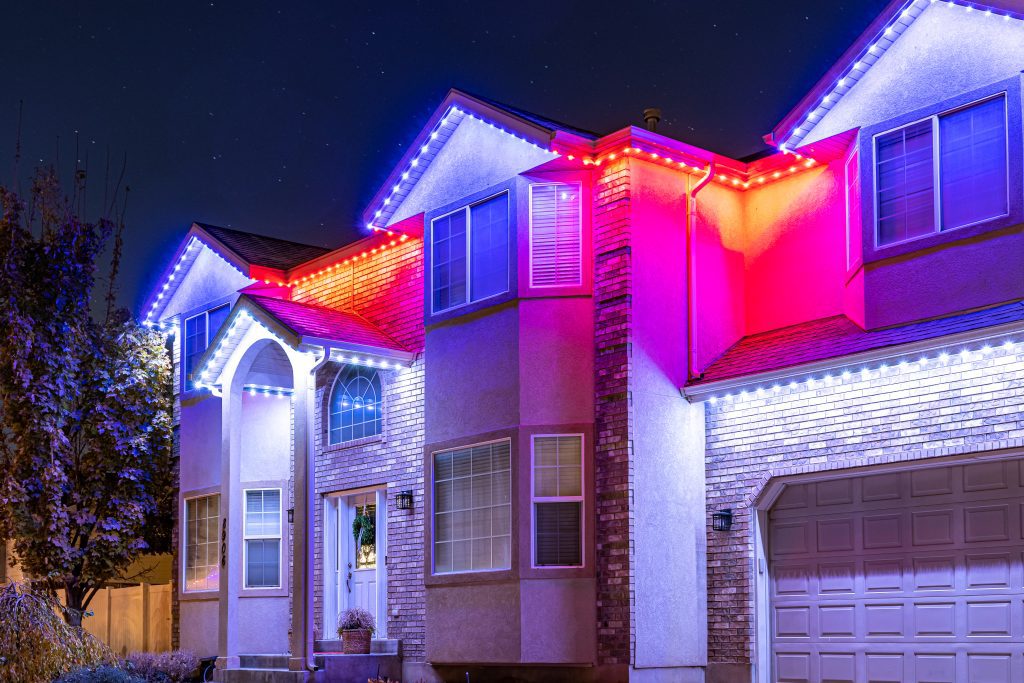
101 674
176 666
36 644
356 618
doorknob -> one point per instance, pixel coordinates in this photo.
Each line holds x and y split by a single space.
348 579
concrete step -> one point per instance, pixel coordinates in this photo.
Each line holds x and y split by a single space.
338 668
264 661
255 675
377 647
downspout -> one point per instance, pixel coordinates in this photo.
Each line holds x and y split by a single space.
691 265
311 504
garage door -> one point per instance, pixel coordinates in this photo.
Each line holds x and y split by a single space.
909 576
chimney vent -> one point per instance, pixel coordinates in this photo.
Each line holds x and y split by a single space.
652 115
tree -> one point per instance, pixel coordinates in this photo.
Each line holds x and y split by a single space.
86 483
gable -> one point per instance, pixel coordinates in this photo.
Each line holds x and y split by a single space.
206 279
946 51
476 156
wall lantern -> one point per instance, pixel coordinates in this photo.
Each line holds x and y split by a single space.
291 515
403 501
722 520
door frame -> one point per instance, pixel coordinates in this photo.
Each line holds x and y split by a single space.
762 669
333 573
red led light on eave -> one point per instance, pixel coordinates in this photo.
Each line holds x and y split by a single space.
327 270
737 181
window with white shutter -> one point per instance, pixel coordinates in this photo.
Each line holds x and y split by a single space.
558 501
556 235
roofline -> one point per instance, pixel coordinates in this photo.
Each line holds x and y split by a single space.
455 99
705 390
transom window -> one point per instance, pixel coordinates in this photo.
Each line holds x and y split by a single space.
558 501
199 331
472 508
262 536
201 543
355 405
947 171
469 254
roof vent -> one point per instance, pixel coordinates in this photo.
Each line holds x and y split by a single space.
652 115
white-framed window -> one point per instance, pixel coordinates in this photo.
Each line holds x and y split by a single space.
556 235
261 536
854 238
473 508
557 500
355 405
469 253
199 332
944 172
200 530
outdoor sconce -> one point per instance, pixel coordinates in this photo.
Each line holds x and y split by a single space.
403 501
722 520
291 515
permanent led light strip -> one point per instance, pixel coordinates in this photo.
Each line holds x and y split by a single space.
454 115
352 259
232 331
874 51
834 379
185 256
253 389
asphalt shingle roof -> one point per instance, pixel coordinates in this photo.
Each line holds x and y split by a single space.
259 250
838 336
308 320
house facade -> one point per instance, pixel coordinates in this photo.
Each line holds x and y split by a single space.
613 407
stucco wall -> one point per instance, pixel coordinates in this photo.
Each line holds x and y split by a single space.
904 412
917 70
208 279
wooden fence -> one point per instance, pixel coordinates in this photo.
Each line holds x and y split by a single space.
132 619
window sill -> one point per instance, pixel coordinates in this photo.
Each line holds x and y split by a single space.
356 443
198 596
986 229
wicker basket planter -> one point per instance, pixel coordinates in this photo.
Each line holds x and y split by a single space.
355 641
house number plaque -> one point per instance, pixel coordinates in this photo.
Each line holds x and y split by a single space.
224 543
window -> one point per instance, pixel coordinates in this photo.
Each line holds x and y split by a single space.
469 254
556 239
854 239
945 172
472 509
355 405
262 537
199 332
558 501
201 541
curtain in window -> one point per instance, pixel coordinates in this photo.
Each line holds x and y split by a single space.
973 163
906 196
472 509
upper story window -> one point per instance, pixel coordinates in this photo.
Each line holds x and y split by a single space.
556 235
472 508
469 254
201 543
947 171
355 405
199 331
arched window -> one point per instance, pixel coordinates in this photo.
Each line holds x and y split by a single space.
355 408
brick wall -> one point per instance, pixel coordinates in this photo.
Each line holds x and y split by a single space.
613 411
959 405
386 287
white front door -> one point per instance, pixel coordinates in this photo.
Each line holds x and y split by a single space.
359 538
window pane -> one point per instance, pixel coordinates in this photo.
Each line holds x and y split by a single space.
262 563
906 192
472 489
355 406
217 316
448 270
973 163
263 513
202 543
489 241
558 534
558 466
195 344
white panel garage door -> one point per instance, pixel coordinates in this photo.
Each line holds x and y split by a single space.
910 576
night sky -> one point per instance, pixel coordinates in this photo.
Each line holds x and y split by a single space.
285 118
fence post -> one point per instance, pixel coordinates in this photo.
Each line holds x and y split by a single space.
145 617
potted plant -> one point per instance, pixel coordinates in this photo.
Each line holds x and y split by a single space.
356 626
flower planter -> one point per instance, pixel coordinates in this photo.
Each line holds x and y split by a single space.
355 641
